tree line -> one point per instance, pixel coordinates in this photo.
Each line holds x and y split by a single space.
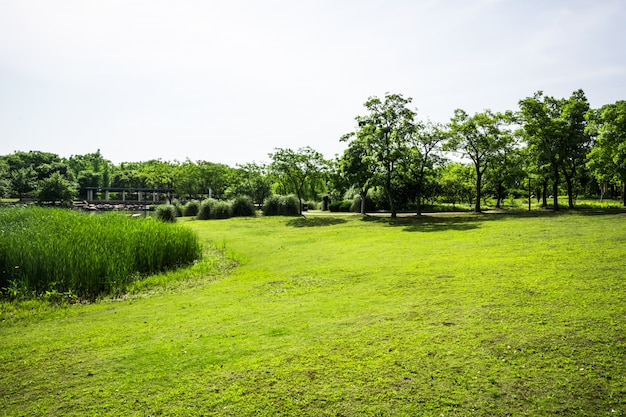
393 161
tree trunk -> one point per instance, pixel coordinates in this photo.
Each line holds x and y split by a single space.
363 196
544 192
478 186
555 188
570 191
392 206
418 201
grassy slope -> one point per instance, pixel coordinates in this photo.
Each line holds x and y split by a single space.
474 315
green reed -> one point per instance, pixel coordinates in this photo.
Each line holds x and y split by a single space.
46 249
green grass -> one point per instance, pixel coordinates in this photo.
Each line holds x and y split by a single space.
337 315
56 251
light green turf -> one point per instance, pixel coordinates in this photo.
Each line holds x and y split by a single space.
338 315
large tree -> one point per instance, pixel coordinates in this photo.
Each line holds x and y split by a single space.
480 138
385 132
576 141
422 156
298 169
607 159
356 166
556 132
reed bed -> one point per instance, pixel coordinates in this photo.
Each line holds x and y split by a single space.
61 251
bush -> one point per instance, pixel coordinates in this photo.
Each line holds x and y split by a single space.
356 204
191 208
206 209
242 207
179 207
284 205
313 205
271 206
56 252
340 206
221 210
166 213
289 205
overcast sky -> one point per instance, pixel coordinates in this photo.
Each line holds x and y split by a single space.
228 81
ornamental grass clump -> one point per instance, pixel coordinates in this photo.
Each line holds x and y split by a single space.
166 213
284 205
206 207
221 210
243 207
55 250
191 208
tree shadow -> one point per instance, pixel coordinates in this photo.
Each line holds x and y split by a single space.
430 223
315 221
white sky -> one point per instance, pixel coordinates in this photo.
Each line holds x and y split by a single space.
228 81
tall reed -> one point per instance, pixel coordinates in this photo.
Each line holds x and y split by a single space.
47 249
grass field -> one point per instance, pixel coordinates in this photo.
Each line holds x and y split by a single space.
455 315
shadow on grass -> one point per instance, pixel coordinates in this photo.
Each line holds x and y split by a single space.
434 222
431 223
315 221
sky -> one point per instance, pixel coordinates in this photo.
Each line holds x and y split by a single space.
230 81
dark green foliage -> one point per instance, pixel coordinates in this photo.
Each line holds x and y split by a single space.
221 210
243 207
356 204
61 251
284 205
289 205
166 213
56 188
271 206
340 206
179 207
214 209
191 208
206 209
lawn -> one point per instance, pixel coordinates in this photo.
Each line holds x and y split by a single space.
450 315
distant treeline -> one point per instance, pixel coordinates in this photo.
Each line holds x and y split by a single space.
393 161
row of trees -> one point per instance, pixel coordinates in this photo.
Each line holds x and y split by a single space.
548 140
546 147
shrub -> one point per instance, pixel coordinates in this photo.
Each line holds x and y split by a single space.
289 205
342 206
243 206
179 207
166 213
356 204
221 210
313 205
56 251
284 205
271 206
191 208
206 207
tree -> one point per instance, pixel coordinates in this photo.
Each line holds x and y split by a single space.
250 180
56 188
543 130
296 169
385 133
607 159
456 182
506 174
576 141
421 157
23 180
214 177
556 131
356 166
479 138
5 182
